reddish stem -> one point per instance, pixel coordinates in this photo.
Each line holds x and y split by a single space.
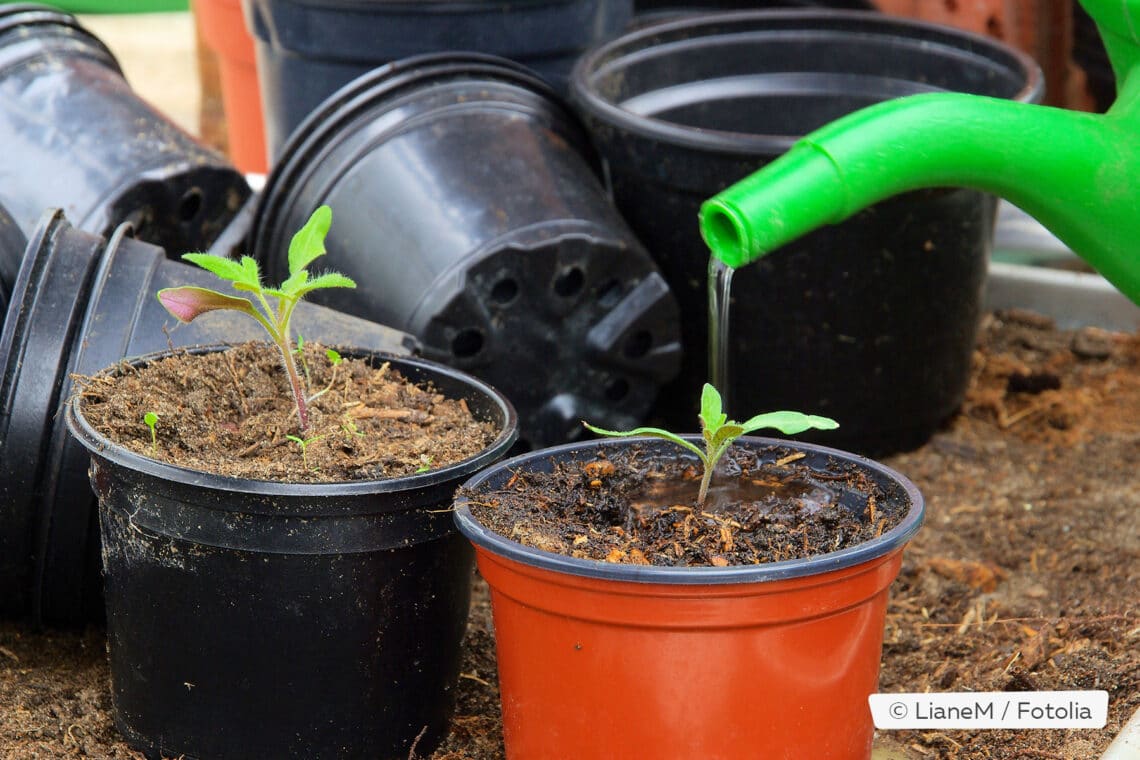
295 384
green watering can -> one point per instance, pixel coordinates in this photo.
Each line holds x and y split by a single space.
1076 173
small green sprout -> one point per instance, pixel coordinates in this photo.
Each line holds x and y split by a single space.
151 419
719 432
304 444
187 303
335 360
425 464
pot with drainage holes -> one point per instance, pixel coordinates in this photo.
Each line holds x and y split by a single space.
80 303
471 214
76 136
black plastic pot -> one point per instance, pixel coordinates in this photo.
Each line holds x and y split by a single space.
469 212
262 619
871 322
77 137
80 304
308 49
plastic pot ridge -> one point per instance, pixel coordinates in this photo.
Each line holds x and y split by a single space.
614 660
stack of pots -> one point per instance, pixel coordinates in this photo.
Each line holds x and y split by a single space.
871 322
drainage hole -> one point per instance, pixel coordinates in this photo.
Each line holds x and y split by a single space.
638 344
190 204
570 282
618 389
467 343
504 291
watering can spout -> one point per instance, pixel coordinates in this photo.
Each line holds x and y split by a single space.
1074 172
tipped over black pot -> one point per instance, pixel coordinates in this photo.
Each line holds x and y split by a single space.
77 137
79 304
470 211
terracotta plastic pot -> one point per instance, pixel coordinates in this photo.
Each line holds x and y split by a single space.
264 619
607 660
224 31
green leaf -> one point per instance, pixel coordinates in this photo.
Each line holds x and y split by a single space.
333 356
649 431
187 303
726 434
251 276
327 280
309 242
288 289
151 419
712 416
789 423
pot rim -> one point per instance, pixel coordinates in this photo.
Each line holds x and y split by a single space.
635 43
99 445
881 546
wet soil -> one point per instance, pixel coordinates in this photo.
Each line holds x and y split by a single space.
631 505
1025 576
232 413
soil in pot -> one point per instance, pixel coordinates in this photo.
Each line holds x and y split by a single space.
370 422
631 505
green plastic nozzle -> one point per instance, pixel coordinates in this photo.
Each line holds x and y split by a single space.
1076 173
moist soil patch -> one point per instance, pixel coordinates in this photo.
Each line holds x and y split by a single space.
231 413
1026 574
630 506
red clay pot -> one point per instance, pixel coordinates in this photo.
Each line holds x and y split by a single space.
601 660
223 29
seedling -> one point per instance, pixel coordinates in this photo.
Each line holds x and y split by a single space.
304 444
425 464
719 432
151 419
187 303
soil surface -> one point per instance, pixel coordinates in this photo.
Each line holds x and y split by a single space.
631 505
232 413
1025 576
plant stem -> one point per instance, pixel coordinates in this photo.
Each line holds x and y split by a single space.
295 385
706 478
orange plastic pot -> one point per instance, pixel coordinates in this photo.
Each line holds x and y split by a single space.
224 31
599 660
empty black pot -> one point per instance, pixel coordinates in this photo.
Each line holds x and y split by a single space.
871 322
308 49
80 304
261 619
77 137
469 213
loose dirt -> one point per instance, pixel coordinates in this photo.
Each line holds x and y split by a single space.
1026 575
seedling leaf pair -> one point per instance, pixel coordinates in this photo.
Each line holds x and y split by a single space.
187 303
719 432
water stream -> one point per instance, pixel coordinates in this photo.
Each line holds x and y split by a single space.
720 292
